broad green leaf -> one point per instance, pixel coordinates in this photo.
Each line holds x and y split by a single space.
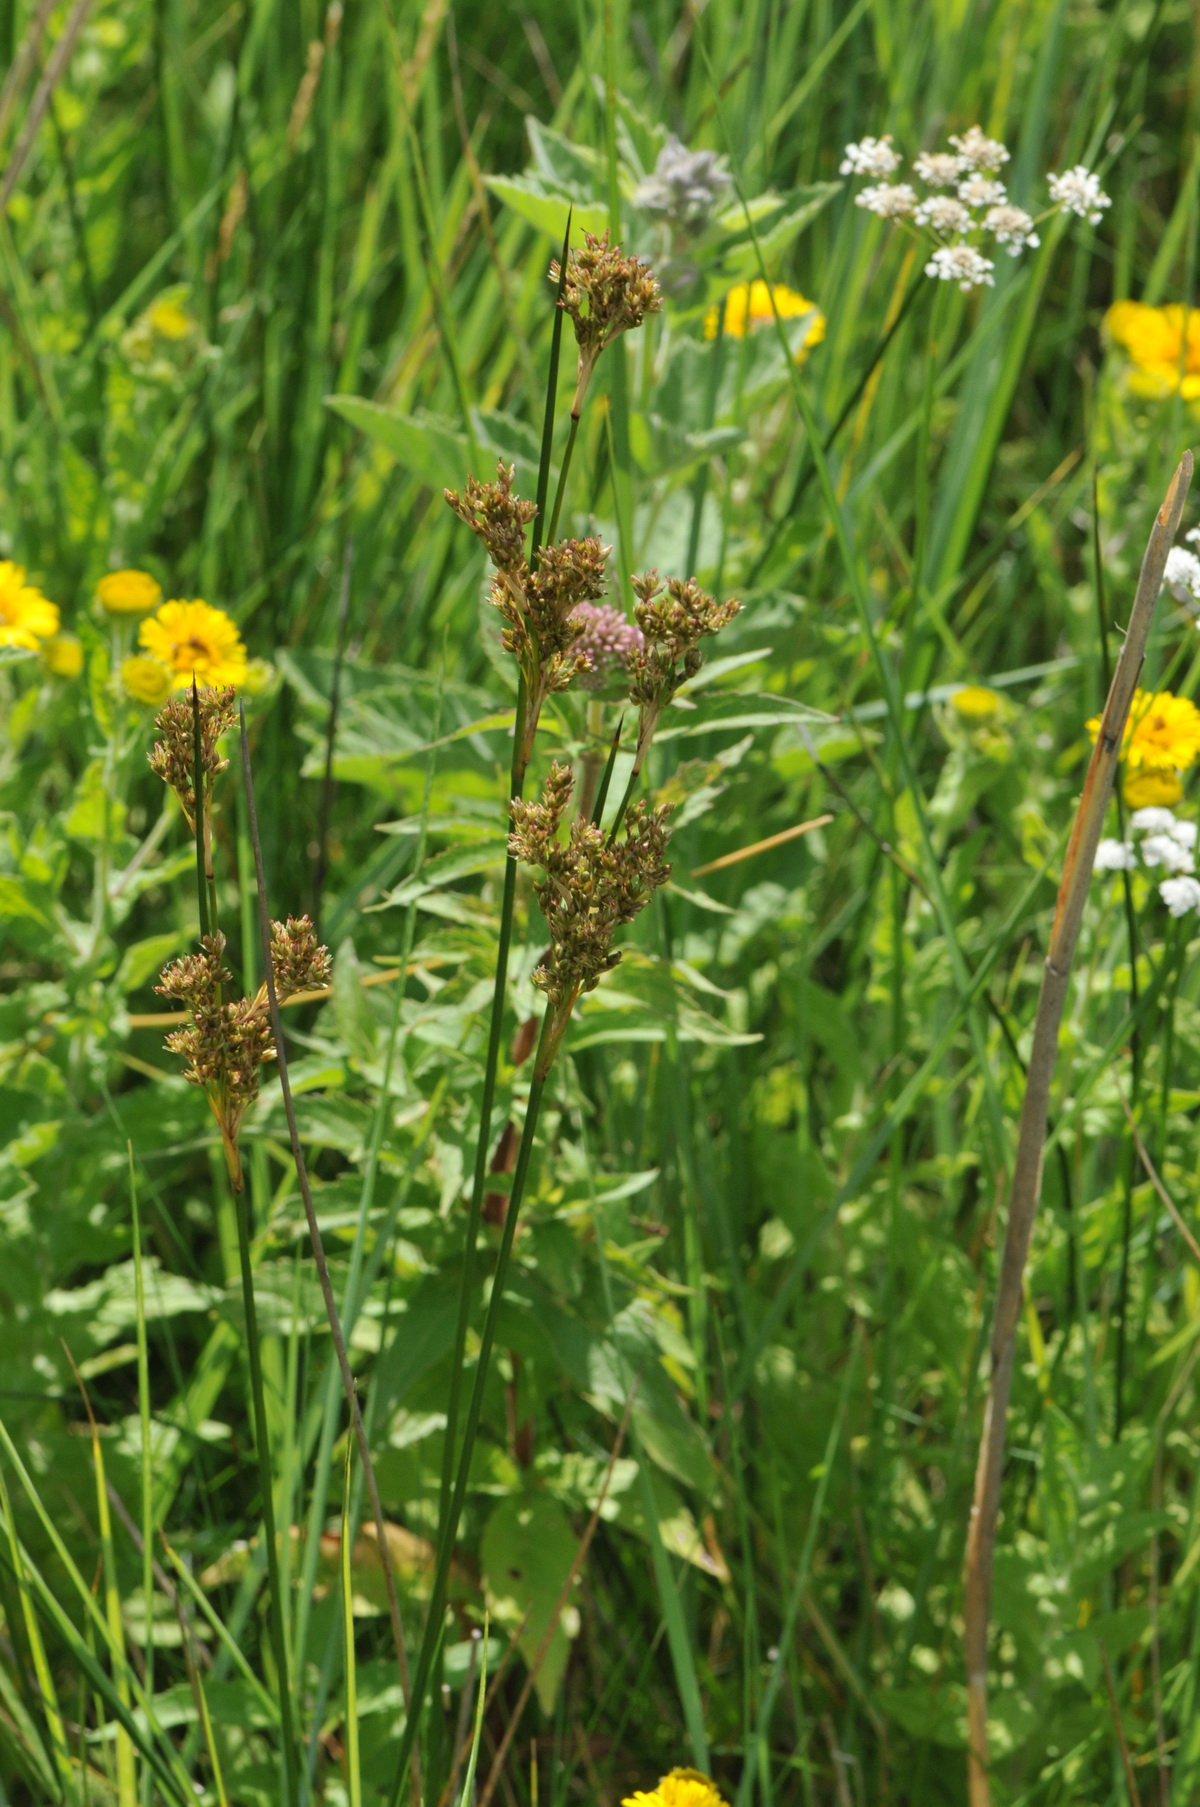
528 1549
143 958
429 447
16 901
531 200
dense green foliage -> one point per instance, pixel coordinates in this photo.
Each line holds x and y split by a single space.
770 1176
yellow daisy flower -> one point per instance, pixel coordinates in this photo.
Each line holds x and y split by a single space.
681 1788
168 319
1152 789
129 592
753 304
64 656
1162 739
976 703
190 638
1163 346
26 617
145 680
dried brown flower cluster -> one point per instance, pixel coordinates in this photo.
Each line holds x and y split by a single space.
673 619
537 605
173 757
227 1043
606 294
591 886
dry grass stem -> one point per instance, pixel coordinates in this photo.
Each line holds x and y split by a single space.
1031 1136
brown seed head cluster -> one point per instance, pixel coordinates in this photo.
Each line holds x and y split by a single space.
228 1041
497 516
605 294
590 888
674 619
536 605
173 757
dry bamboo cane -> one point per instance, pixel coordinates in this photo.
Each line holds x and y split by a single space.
1031 1136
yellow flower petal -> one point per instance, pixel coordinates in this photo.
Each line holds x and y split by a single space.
192 639
26 617
750 305
1153 788
129 592
64 656
146 680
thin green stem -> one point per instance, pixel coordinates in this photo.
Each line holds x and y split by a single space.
263 1452
561 486
547 1046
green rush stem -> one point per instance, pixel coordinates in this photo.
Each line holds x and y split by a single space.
198 806
543 1060
317 1242
543 484
1135 1089
263 1451
561 487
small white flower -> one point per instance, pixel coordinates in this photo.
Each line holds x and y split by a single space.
1193 534
1183 832
961 264
981 191
1013 227
1152 820
890 200
1182 577
1164 850
870 157
944 214
1180 895
938 168
1079 191
978 152
1114 856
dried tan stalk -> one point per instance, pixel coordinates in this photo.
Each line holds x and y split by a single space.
1031 1135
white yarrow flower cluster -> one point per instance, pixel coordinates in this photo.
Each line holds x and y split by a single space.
962 264
977 152
1078 191
870 157
1012 226
944 214
978 215
1182 578
1160 841
890 200
938 169
981 191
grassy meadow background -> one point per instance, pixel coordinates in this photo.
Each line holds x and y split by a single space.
772 1166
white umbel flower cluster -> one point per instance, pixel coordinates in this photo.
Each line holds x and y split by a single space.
975 151
890 200
1160 841
944 214
1012 226
1078 191
962 264
981 191
978 216
870 157
1182 578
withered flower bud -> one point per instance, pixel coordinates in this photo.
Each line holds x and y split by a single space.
173 757
497 516
606 294
590 888
673 622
